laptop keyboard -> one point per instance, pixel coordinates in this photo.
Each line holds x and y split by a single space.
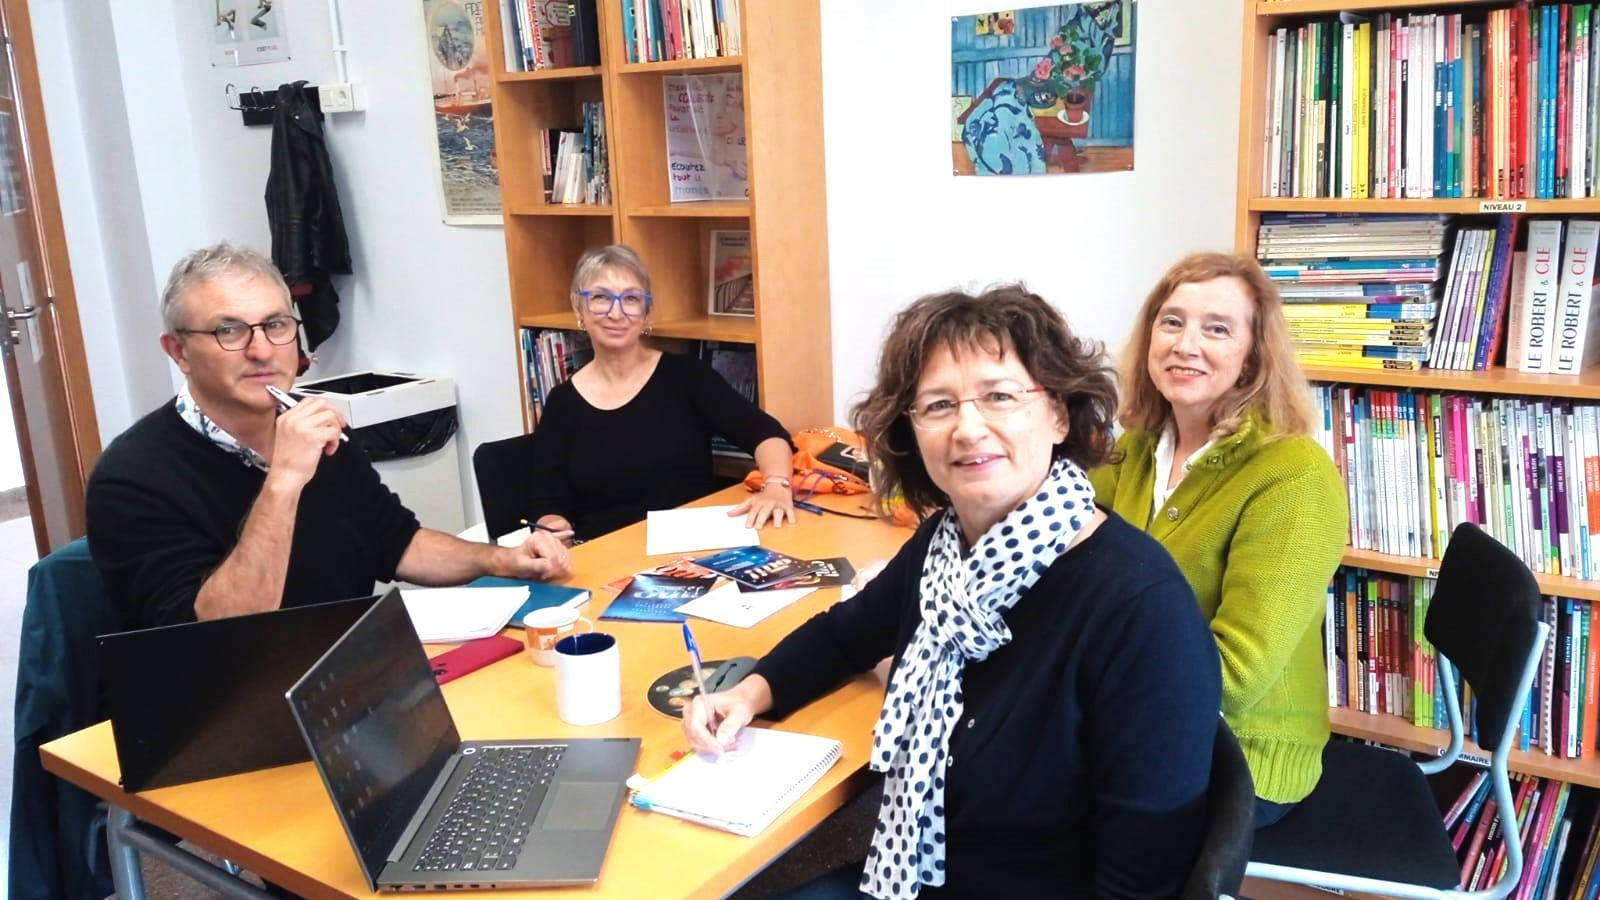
487 821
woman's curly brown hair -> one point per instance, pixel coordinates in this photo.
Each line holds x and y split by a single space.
1006 317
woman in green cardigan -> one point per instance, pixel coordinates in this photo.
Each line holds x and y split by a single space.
1217 463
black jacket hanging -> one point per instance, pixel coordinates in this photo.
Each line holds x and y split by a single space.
308 240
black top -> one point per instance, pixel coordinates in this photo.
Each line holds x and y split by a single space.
605 468
1080 765
165 506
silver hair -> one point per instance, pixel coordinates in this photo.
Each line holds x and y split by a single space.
612 256
207 264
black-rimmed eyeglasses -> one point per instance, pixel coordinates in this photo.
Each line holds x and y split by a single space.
278 330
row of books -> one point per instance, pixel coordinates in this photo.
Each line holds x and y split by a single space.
655 30
577 164
1358 290
549 34
1552 299
1552 817
736 363
549 357
1353 290
1380 662
1489 103
1417 463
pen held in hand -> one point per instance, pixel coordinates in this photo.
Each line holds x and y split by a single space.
694 659
541 526
286 403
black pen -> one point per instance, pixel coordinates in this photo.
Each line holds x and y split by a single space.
286 403
541 526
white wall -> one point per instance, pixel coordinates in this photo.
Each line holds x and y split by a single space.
152 163
900 225
172 168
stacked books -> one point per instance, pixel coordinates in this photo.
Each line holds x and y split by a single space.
577 164
655 30
1485 103
549 357
1417 463
549 34
1358 290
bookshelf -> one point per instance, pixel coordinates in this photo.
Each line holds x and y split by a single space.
1261 19
785 213
1394 731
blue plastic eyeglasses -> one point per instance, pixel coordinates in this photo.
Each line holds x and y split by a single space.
600 303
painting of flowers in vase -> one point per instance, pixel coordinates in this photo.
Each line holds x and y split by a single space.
1043 90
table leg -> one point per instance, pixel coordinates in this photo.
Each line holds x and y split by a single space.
126 839
126 876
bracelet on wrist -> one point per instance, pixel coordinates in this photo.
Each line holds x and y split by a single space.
771 480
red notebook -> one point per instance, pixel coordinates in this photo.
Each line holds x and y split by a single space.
472 656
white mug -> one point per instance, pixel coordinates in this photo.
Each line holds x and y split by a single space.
543 627
588 678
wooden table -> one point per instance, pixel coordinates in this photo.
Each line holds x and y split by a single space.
280 824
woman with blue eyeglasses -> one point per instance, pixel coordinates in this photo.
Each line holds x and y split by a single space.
1217 464
631 430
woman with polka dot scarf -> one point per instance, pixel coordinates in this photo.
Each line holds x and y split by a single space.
1217 463
1050 710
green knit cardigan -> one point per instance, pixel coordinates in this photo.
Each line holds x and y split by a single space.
1257 527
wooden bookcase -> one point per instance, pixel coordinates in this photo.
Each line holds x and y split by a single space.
1261 19
786 212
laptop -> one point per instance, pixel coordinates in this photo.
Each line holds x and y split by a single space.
205 699
425 810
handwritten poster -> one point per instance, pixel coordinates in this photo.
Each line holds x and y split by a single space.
705 137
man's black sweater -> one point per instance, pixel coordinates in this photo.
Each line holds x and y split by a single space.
165 507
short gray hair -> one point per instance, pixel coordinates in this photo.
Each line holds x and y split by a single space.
207 264
611 256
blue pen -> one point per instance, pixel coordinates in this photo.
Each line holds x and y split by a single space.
808 507
694 657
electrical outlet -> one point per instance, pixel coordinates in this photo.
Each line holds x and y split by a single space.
336 97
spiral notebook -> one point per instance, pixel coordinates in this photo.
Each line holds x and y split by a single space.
747 787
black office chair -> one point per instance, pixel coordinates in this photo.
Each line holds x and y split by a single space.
1371 825
52 852
1230 822
504 472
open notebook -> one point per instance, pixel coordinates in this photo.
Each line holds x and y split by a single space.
746 788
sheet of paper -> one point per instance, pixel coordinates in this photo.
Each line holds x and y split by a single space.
443 615
514 539
741 609
695 528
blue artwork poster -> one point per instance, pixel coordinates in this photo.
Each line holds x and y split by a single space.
458 64
1048 89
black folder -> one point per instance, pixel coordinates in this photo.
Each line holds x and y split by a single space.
206 699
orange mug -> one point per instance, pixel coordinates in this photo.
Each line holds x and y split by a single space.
546 626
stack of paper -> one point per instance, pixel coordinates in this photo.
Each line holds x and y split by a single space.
447 615
741 609
695 528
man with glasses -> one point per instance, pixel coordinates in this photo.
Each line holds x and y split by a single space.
217 505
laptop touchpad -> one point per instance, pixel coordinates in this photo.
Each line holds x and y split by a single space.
581 806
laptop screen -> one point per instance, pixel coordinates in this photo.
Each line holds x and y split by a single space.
377 727
205 699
